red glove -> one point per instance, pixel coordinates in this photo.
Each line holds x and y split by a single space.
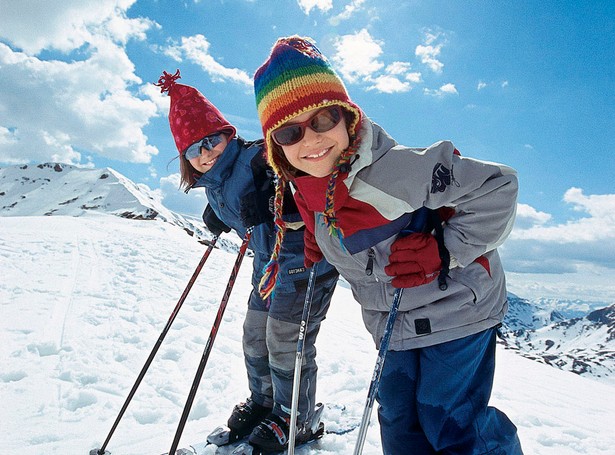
414 261
310 249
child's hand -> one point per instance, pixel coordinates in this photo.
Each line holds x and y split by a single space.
255 209
213 223
414 260
311 250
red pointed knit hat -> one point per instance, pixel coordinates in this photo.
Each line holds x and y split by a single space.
191 115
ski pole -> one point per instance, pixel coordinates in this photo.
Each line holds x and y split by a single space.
373 386
210 342
305 318
417 224
149 360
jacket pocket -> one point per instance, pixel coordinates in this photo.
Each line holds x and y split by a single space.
476 277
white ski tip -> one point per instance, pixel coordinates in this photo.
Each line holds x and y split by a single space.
220 436
243 449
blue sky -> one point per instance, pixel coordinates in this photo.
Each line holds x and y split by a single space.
530 84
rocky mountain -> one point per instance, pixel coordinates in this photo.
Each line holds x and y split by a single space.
583 345
526 315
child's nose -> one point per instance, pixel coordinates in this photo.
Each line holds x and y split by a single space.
311 136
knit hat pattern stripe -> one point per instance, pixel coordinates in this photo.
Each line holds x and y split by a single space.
309 74
300 96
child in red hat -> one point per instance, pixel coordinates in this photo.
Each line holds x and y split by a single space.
240 189
357 189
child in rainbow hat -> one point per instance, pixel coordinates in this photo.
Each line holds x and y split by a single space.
356 189
239 186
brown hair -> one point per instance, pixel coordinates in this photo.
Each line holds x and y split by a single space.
187 174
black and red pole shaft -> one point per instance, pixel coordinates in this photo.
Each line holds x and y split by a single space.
152 354
210 342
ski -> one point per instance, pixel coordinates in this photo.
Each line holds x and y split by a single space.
221 436
219 441
246 449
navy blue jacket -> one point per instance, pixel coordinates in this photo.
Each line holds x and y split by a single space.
240 171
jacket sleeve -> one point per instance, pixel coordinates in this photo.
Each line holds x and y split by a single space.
483 195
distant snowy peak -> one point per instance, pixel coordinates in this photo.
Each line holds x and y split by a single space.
585 346
61 189
526 315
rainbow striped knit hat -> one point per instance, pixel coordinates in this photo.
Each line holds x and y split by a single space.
296 78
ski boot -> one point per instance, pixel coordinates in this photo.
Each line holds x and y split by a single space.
272 434
244 418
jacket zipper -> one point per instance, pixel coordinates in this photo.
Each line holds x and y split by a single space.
369 269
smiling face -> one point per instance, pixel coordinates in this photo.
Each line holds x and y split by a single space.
205 161
316 153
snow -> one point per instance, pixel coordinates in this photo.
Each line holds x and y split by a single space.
84 299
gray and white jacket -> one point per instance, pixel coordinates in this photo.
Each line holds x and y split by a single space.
386 183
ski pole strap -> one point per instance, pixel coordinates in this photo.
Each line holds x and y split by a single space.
445 255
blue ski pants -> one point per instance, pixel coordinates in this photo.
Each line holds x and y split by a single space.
434 400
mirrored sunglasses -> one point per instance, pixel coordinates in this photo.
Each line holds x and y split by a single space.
322 121
209 142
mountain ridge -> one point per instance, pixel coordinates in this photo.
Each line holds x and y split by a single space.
57 189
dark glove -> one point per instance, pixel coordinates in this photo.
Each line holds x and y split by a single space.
414 260
213 223
256 208
310 249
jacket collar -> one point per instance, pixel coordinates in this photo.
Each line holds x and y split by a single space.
223 168
375 142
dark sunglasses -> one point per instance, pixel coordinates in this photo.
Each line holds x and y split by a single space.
209 142
322 121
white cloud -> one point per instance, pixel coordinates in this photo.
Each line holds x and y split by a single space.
357 55
349 10
449 89
446 89
481 85
67 25
597 225
504 84
429 51
539 245
398 68
357 58
57 110
528 216
307 5
196 50
389 84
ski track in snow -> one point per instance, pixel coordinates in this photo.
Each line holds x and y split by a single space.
83 301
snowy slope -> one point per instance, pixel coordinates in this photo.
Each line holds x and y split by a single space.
83 301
